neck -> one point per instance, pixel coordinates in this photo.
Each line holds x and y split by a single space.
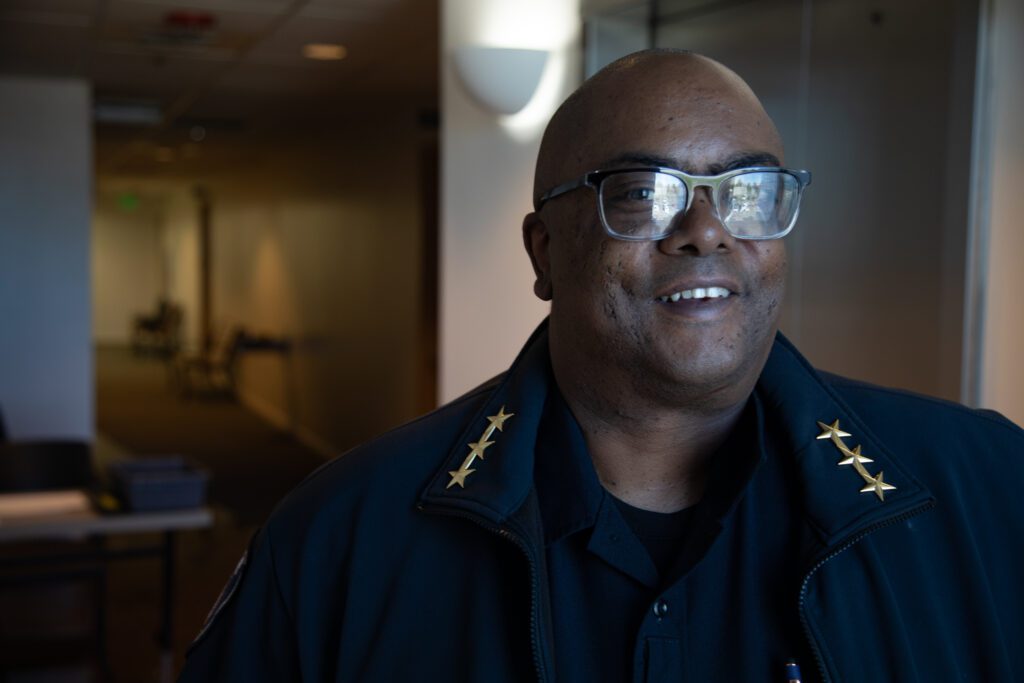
655 463
651 454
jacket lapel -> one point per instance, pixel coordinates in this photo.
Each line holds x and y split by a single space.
851 481
489 471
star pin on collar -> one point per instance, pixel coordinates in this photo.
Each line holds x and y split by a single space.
831 431
477 449
872 484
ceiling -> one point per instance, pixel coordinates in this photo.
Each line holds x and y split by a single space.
229 63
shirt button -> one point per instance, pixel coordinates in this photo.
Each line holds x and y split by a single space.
660 608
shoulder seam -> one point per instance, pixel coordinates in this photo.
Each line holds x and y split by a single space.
981 414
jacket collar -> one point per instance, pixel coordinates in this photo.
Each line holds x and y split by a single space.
795 400
499 483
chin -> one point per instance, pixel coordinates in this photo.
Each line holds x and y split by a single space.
718 375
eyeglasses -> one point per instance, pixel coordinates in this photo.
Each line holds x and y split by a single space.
757 203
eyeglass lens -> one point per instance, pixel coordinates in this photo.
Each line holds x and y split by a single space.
643 204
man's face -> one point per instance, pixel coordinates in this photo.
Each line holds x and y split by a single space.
609 296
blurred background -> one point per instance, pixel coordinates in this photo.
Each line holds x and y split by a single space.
238 237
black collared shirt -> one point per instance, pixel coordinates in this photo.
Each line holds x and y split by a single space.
723 609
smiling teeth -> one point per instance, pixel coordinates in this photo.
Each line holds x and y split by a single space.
697 293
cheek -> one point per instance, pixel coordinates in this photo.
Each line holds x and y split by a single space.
590 256
610 283
624 266
578 243
771 279
776 265
579 273
600 275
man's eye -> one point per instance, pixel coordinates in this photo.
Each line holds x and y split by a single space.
632 194
644 194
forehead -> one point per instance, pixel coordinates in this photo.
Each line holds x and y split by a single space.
693 116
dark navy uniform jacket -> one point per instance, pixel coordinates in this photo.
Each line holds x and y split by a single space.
420 556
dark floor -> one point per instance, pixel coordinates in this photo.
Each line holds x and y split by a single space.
251 464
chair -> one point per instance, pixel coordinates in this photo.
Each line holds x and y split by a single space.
211 373
158 333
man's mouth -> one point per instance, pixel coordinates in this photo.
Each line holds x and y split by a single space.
697 293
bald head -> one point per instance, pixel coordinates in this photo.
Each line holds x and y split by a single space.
658 88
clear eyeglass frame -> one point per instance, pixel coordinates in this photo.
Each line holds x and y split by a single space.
595 179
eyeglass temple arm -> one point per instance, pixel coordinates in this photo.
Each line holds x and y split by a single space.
561 189
804 176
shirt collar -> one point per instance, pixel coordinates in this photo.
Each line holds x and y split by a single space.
733 465
571 494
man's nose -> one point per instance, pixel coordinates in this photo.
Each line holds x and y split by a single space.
698 230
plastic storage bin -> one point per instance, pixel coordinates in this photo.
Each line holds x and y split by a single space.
163 483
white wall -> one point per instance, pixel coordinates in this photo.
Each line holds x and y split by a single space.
1002 365
126 265
46 379
487 307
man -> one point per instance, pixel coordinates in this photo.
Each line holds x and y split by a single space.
660 488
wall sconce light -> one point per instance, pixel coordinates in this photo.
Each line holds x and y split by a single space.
502 80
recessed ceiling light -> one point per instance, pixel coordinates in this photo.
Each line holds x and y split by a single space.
324 51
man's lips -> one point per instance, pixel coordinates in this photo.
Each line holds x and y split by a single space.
697 293
699 290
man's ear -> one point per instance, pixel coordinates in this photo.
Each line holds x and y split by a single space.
537 240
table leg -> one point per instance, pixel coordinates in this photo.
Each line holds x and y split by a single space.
102 658
167 611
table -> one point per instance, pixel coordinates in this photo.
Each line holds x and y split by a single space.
71 517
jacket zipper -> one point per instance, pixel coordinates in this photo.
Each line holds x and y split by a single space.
519 542
818 658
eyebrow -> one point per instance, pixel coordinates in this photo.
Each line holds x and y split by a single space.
740 160
743 160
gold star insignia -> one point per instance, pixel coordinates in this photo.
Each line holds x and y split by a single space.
498 421
853 456
459 477
878 486
831 431
478 448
